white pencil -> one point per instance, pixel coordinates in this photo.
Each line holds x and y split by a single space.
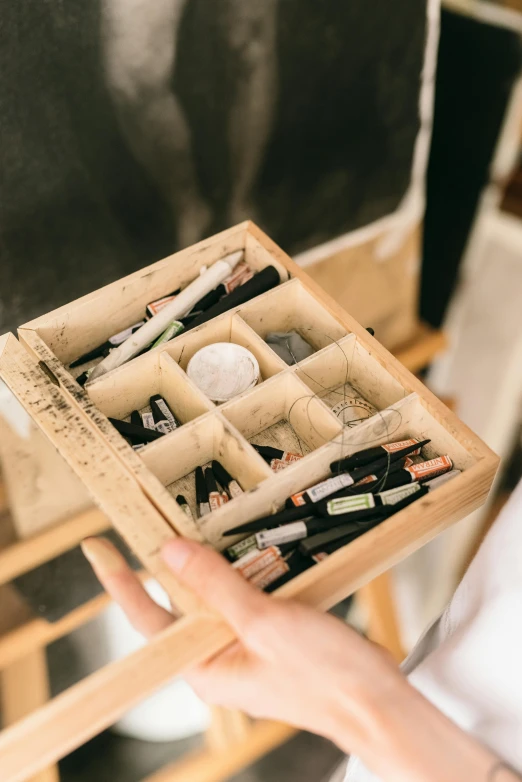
177 308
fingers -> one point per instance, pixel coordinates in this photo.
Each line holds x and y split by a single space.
210 576
125 587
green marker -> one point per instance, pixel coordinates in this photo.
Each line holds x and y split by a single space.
172 330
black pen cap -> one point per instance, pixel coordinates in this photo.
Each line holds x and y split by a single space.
342 465
210 481
209 299
222 476
201 486
138 434
180 499
318 542
267 452
135 418
261 282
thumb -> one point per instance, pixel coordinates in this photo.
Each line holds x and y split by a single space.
212 578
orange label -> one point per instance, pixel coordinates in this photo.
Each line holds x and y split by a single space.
270 574
392 447
216 499
256 561
368 479
242 273
156 306
298 499
430 468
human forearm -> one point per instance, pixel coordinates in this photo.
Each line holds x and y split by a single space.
407 739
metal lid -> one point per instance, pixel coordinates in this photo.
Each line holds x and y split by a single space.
223 370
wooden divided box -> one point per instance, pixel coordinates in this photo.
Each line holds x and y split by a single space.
292 407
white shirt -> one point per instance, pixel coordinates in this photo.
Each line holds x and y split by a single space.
469 662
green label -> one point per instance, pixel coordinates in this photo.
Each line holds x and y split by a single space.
244 546
349 504
393 496
171 331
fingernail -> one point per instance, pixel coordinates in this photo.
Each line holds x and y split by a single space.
103 556
176 553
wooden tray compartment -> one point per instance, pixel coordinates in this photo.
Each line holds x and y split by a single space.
284 414
226 328
130 387
290 307
348 369
402 420
174 457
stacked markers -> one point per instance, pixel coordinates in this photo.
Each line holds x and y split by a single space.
214 487
363 490
241 286
145 427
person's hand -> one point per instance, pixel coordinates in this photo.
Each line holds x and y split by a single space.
290 663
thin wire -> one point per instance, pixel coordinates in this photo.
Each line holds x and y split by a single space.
345 440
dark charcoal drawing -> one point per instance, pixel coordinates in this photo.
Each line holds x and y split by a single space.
131 128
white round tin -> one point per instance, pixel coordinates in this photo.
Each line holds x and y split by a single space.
223 370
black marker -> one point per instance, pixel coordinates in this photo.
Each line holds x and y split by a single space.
164 419
382 459
185 507
137 434
274 520
261 282
274 455
216 498
135 418
229 484
83 378
343 484
103 350
203 506
322 541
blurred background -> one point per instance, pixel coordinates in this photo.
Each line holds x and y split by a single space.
380 145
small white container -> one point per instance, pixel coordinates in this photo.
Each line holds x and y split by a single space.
223 370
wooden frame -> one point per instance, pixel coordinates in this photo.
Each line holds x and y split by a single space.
132 490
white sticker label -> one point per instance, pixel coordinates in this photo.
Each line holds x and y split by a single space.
286 534
168 415
148 420
204 508
235 489
330 486
117 339
393 496
350 504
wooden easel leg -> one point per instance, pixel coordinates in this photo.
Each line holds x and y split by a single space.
24 686
227 727
383 627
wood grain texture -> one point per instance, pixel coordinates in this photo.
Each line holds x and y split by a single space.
24 687
111 485
24 555
75 716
